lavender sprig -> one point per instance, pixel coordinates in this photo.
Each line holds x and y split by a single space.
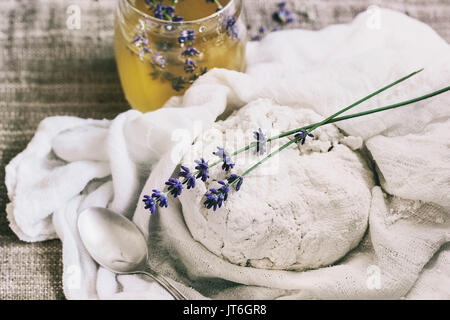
164 12
332 119
186 38
186 35
189 65
140 41
190 51
189 178
302 135
202 169
150 203
160 11
175 187
161 199
231 28
158 60
334 115
260 141
234 178
216 197
227 164
157 198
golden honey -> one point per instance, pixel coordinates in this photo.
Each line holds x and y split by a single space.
155 58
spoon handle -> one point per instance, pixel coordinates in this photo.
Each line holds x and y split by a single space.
164 283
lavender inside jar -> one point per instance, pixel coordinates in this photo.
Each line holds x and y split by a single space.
162 47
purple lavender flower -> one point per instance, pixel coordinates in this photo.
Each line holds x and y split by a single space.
231 28
211 199
159 11
215 198
170 10
189 178
235 177
175 187
141 43
186 35
282 15
149 3
160 198
177 19
138 40
141 54
190 51
260 141
220 152
220 199
224 189
202 167
302 135
227 163
150 203
189 65
159 60
164 12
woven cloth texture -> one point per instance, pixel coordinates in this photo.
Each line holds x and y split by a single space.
47 69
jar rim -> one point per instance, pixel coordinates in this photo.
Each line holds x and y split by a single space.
160 21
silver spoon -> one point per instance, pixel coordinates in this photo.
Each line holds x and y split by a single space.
118 245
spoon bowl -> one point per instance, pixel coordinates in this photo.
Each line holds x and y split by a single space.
112 240
118 245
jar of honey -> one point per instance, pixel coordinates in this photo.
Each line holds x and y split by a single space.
162 47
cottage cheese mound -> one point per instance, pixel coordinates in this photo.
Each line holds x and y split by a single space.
305 208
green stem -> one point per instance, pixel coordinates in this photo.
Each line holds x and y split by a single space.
333 118
327 120
318 124
363 99
284 146
167 16
359 114
350 116
218 4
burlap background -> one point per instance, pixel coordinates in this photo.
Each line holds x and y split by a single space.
47 69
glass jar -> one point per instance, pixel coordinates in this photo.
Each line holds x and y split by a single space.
158 59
